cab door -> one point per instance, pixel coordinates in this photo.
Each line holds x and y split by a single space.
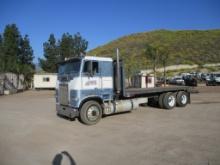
91 80
106 79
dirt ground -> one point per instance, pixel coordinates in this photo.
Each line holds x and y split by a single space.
32 134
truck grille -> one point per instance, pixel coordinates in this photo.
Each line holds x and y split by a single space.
63 94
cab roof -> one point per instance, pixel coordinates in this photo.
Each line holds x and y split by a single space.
95 58
98 58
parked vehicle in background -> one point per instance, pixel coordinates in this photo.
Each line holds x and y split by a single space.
213 79
190 80
203 76
161 81
207 77
184 74
177 80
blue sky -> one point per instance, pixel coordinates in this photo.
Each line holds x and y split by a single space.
100 21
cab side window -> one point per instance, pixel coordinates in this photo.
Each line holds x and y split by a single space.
86 67
94 67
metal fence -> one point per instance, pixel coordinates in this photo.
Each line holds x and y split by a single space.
11 83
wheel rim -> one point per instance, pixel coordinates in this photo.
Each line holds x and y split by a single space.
93 113
171 101
184 99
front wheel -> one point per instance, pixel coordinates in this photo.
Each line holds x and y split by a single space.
90 113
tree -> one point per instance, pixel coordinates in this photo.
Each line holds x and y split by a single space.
11 39
65 46
25 60
16 53
51 55
1 55
72 46
79 45
132 65
164 57
152 54
26 52
68 46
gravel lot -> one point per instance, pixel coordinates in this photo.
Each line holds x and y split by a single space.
32 134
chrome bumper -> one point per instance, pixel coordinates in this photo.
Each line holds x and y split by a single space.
67 111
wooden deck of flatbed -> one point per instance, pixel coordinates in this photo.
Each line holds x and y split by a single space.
147 92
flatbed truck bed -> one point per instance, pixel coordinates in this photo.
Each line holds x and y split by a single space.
146 92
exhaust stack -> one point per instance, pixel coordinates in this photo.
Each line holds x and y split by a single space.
118 75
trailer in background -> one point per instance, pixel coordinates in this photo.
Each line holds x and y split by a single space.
45 81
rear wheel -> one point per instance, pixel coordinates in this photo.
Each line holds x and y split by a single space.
160 100
182 99
90 113
169 100
153 101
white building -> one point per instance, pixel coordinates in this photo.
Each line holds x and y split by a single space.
143 81
45 80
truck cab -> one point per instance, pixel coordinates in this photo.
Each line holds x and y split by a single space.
83 79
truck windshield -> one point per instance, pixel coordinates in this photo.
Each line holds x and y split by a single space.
69 67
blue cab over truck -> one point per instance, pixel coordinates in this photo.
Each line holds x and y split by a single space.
91 87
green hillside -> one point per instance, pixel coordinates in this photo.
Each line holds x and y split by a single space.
184 47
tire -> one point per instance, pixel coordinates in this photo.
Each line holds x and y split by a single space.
153 101
182 99
160 101
169 100
90 113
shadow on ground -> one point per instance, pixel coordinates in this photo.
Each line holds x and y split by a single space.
57 160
